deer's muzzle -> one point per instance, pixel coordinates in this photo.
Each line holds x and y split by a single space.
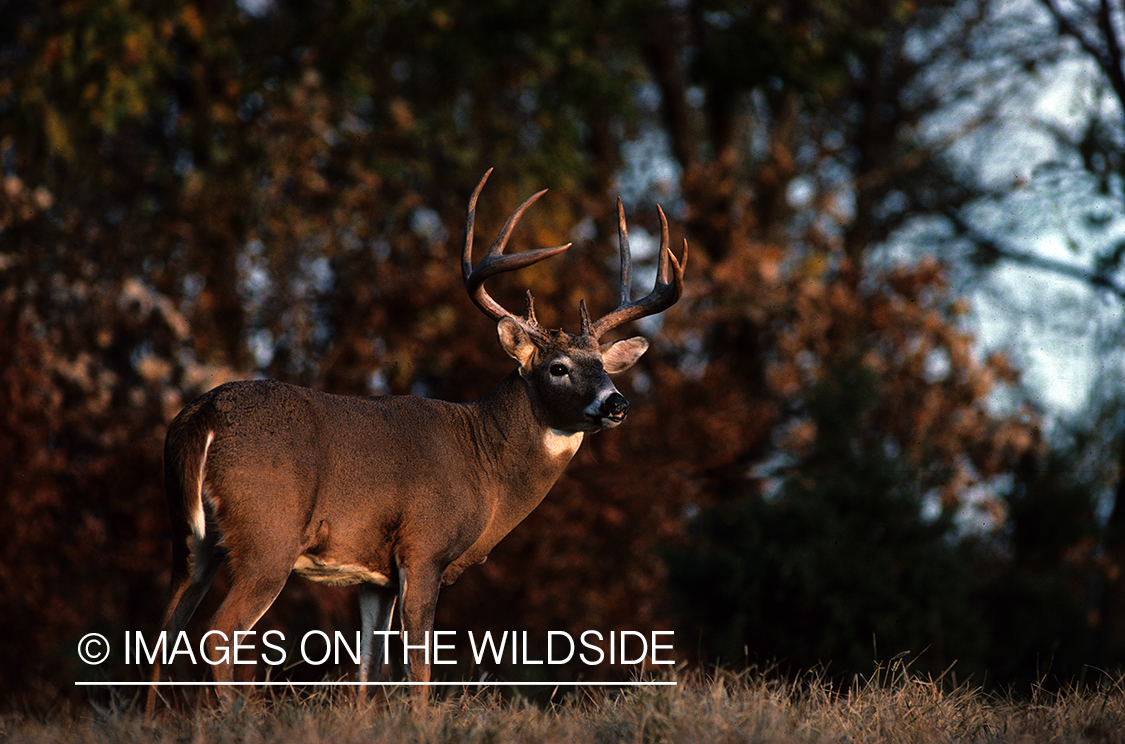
615 407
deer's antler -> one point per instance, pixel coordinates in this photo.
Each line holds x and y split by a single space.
495 262
665 292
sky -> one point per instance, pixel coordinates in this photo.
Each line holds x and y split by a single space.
1066 337
1065 334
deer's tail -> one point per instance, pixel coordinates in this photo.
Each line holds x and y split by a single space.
186 448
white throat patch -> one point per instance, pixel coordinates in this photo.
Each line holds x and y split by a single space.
562 444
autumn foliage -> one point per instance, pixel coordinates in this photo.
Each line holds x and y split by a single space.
195 193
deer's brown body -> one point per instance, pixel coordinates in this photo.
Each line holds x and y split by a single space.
399 494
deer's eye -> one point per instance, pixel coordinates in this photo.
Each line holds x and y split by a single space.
557 369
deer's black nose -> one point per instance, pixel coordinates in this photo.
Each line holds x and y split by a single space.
615 407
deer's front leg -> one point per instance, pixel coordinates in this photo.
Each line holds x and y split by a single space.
376 607
418 592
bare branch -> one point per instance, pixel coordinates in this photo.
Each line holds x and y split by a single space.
991 250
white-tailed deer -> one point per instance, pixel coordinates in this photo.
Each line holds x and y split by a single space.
398 494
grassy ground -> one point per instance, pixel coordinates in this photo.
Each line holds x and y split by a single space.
893 706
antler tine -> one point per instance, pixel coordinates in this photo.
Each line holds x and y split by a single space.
470 220
626 253
666 290
495 262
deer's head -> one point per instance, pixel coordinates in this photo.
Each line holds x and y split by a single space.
568 374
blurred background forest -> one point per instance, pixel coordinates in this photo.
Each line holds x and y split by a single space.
847 441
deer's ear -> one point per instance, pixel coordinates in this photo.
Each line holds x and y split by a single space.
621 355
515 341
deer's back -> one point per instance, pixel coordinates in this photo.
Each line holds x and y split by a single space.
336 446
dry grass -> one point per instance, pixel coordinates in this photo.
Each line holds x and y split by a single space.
892 706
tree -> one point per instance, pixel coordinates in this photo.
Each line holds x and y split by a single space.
1068 192
833 563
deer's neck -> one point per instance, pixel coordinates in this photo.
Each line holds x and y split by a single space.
561 444
521 457
513 436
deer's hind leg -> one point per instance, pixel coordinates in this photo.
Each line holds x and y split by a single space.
195 561
251 594
259 563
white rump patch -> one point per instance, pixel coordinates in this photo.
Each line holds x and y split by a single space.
561 443
336 574
196 519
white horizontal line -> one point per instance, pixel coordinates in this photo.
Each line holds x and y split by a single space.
167 683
